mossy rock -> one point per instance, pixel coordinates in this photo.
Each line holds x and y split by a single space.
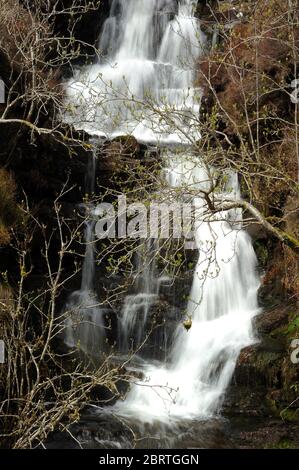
290 415
289 330
284 443
128 144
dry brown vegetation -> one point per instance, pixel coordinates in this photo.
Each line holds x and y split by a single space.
254 125
26 68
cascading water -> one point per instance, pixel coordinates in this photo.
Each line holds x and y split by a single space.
137 306
144 86
223 300
84 317
148 68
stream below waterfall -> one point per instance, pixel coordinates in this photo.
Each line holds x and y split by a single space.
143 85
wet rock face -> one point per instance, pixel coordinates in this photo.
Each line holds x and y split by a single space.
125 154
217 17
106 431
265 380
270 320
94 432
258 433
85 26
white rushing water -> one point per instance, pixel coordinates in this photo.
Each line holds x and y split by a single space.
223 301
84 317
148 70
144 86
137 305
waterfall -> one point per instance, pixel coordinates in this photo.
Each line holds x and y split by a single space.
223 301
84 317
144 86
137 306
151 67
